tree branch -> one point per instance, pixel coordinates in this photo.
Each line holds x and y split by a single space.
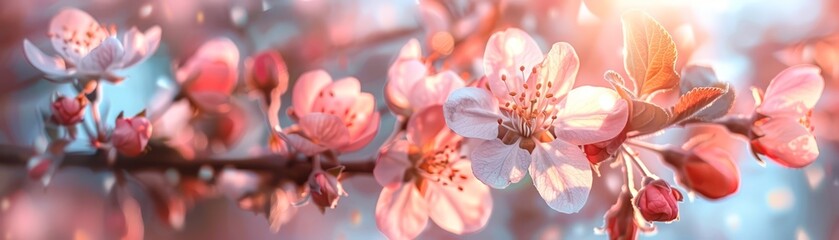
162 158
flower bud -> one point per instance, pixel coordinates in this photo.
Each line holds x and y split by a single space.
131 135
620 221
326 189
705 169
657 201
68 110
267 71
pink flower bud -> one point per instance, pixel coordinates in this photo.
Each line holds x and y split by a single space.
67 110
657 201
131 135
325 190
267 71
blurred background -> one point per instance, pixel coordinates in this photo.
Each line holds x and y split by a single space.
747 42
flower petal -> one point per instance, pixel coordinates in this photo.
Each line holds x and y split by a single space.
366 136
589 115
562 175
74 33
102 58
434 90
497 164
401 212
473 113
402 75
411 50
139 46
793 92
306 89
788 142
560 68
505 53
427 129
325 129
460 211
392 163
47 64
339 96
304 145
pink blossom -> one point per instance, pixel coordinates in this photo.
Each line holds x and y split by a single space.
410 86
330 114
530 121
89 50
131 135
424 177
783 131
211 74
68 111
657 201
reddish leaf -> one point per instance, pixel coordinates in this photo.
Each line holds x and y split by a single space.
694 101
647 118
619 85
695 76
650 53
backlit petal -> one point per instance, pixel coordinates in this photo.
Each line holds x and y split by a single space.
497 164
460 211
562 175
401 212
589 115
307 88
473 113
392 163
47 64
788 142
793 92
505 53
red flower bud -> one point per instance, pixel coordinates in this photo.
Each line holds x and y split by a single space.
325 189
657 201
131 135
705 169
620 220
68 111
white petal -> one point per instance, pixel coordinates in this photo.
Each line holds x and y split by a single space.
589 115
497 164
562 175
434 90
69 30
505 53
472 112
560 68
460 211
47 64
139 46
392 163
401 212
793 92
103 57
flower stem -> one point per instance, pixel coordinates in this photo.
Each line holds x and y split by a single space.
97 117
637 161
630 177
645 145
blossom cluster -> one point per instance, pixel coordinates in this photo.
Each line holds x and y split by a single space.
455 139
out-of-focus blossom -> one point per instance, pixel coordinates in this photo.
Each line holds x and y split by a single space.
131 135
88 50
533 121
656 201
823 52
410 88
68 111
211 74
326 190
424 177
704 168
279 205
782 130
330 114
